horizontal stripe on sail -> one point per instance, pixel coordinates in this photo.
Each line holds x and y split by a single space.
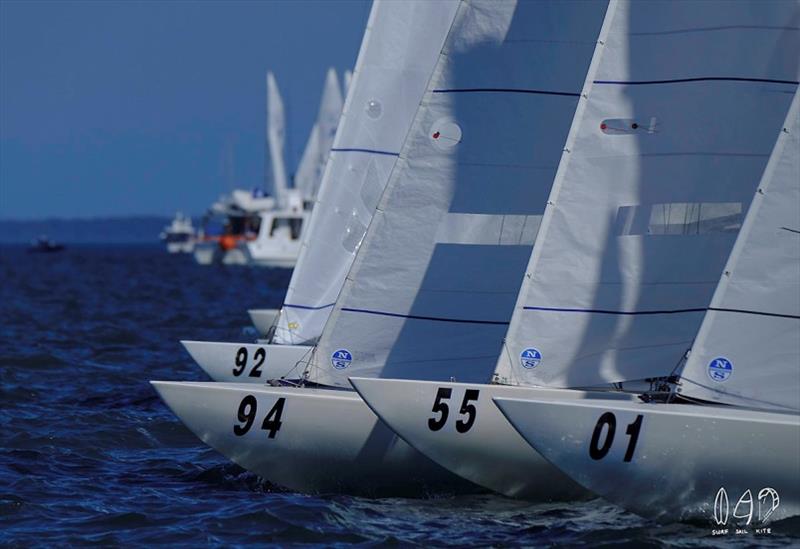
713 29
430 318
611 312
659 312
506 90
368 151
308 307
697 79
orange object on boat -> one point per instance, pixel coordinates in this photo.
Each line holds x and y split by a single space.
228 242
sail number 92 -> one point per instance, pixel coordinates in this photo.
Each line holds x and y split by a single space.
441 408
241 362
608 423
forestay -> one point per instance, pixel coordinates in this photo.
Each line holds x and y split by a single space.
747 352
431 291
400 48
685 104
276 136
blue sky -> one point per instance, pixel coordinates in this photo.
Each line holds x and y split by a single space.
124 108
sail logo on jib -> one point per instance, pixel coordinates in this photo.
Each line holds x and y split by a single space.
530 358
720 369
341 359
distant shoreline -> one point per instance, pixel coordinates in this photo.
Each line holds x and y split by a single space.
95 230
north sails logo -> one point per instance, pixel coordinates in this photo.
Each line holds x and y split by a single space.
341 359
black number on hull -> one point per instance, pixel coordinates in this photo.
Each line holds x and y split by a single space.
469 410
272 422
246 414
259 356
596 451
608 419
240 361
444 393
633 432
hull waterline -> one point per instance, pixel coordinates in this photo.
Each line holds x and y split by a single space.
309 440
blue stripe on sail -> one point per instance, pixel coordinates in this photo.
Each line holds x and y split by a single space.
610 312
369 151
506 90
659 312
697 79
308 307
430 318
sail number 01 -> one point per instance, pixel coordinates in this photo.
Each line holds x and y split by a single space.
467 409
598 451
241 361
247 415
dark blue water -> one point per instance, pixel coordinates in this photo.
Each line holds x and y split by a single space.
90 455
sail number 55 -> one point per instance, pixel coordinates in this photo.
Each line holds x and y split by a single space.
608 423
467 410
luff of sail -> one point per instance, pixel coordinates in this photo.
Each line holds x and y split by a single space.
400 48
646 205
747 351
432 288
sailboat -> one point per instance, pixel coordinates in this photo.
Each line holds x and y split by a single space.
354 453
665 151
737 431
434 282
376 120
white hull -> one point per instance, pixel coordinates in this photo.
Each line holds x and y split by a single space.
490 453
327 440
679 462
235 256
263 319
206 252
249 362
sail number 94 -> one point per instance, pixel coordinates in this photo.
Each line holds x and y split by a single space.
607 423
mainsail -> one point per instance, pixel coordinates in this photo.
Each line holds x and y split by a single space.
433 286
307 167
747 352
276 136
677 128
400 48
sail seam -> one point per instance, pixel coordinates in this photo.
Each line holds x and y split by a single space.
697 79
430 318
369 151
759 313
711 29
659 312
308 307
506 90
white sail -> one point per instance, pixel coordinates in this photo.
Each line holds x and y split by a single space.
276 136
400 48
669 147
431 291
347 80
330 111
748 349
307 168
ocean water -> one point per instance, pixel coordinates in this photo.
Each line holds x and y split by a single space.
90 455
